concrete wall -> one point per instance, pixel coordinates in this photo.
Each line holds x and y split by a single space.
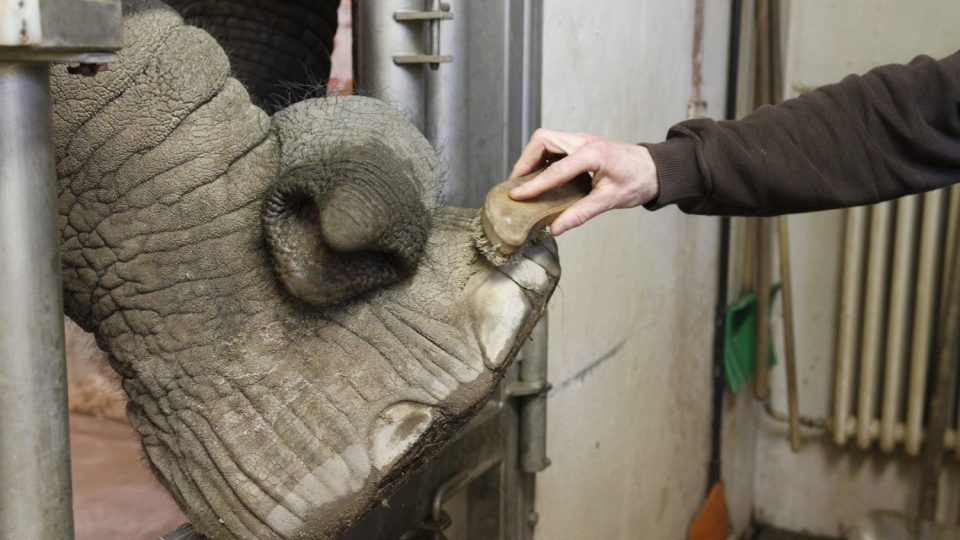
631 323
823 489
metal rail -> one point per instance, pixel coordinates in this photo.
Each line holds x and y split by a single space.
35 498
34 446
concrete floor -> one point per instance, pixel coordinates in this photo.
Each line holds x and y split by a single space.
115 496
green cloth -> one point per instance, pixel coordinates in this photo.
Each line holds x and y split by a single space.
740 339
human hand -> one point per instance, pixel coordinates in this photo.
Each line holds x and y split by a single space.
624 175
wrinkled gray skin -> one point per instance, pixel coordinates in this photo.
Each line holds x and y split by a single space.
296 321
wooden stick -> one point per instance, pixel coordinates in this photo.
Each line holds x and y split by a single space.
761 387
789 339
748 260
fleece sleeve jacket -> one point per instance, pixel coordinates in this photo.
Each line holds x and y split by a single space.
891 132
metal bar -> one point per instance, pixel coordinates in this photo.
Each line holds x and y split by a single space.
433 35
873 322
715 467
447 125
533 409
377 38
408 59
34 434
64 26
512 87
402 15
456 483
850 316
898 339
532 69
790 345
924 315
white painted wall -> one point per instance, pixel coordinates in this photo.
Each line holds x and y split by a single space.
631 323
823 489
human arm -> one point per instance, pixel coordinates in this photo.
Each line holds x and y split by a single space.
624 175
888 133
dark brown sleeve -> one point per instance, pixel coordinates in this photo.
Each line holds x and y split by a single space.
888 133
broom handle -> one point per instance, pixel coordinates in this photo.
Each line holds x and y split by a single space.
761 388
789 339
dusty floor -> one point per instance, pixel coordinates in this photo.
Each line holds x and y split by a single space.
115 497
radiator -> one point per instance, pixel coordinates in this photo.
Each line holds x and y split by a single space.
892 278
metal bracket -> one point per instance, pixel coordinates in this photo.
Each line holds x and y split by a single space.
436 11
406 59
524 388
439 520
403 15
60 31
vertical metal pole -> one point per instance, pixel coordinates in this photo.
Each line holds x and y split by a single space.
377 38
447 124
533 367
478 111
533 412
35 502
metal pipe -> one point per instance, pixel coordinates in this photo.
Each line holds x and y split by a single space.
924 315
850 314
715 468
446 119
533 411
434 45
873 319
34 433
898 339
377 38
